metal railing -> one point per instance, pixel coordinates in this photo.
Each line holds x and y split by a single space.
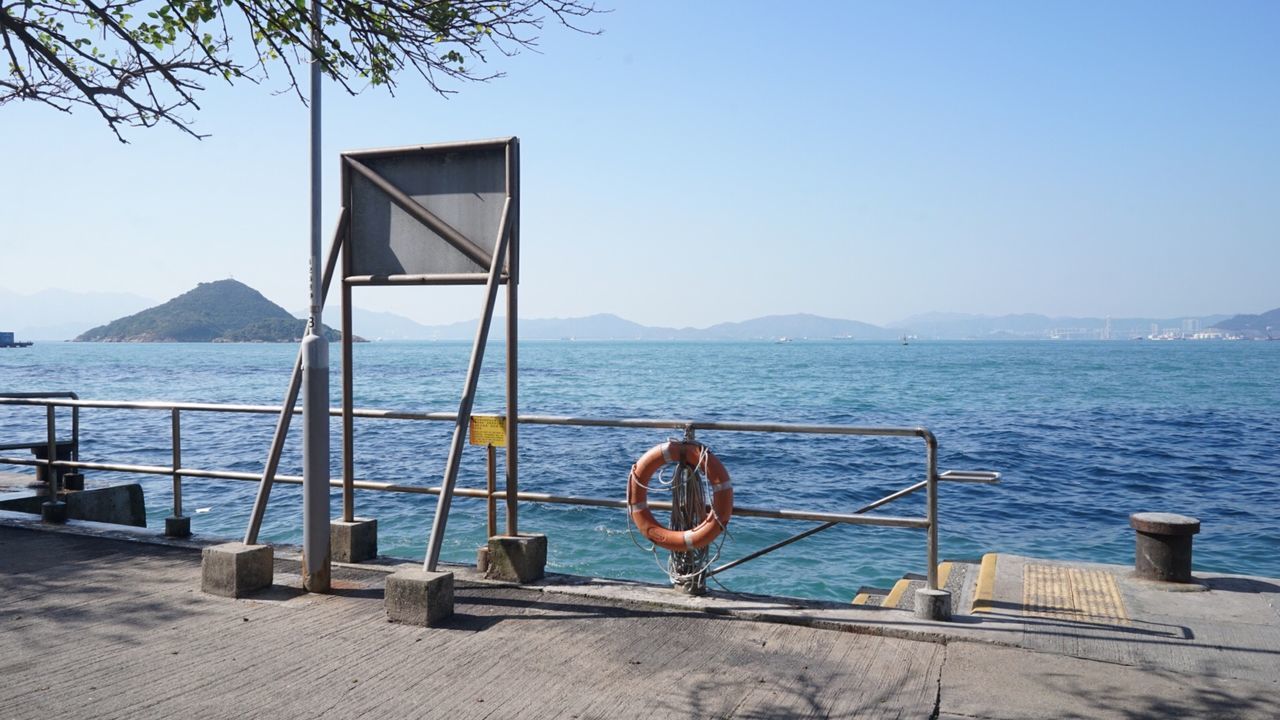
929 522
51 439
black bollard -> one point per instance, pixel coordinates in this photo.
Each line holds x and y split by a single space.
1163 546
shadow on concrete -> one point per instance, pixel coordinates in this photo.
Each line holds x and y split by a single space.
85 575
1184 697
1240 585
504 604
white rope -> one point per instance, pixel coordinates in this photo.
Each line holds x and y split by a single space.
674 573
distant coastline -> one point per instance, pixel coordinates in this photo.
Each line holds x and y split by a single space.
66 315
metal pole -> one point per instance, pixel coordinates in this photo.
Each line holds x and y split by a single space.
50 474
177 462
52 510
931 459
468 397
348 420
491 485
513 338
315 372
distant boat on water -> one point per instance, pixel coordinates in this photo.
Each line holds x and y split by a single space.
904 340
7 341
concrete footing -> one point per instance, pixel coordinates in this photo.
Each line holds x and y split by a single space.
353 542
517 558
53 511
933 604
235 569
177 526
1162 546
418 597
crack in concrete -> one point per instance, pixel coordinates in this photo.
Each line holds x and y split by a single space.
937 698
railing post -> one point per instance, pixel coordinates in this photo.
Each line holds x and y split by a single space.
932 602
177 461
53 510
177 525
50 474
491 486
931 459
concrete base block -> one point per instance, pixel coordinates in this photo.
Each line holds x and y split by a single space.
521 558
53 511
177 526
235 569
933 604
353 542
418 597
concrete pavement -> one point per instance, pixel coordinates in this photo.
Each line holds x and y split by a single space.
98 622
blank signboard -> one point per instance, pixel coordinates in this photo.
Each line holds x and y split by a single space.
463 185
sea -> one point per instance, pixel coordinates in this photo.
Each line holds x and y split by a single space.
1083 434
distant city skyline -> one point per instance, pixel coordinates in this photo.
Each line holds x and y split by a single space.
692 165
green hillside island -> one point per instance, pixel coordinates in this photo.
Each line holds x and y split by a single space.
1266 325
222 311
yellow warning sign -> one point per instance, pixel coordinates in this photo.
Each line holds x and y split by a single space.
489 430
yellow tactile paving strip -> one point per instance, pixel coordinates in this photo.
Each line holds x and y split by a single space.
1065 593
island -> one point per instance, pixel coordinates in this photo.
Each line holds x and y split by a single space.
220 311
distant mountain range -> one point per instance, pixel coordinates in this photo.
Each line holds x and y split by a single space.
933 326
388 326
63 314
59 315
222 311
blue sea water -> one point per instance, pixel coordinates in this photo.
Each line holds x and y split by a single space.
1085 433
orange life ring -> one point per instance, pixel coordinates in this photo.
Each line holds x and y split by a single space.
718 515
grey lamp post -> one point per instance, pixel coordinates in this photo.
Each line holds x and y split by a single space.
315 373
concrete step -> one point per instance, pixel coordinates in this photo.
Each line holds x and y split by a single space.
870 596
958 576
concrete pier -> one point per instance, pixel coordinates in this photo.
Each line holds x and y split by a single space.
126 620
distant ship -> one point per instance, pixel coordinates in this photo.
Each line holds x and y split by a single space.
7 341
904 340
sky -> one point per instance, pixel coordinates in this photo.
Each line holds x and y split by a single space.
717 161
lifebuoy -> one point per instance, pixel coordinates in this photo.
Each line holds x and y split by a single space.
721 509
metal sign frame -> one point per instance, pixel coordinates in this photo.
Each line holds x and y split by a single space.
503 266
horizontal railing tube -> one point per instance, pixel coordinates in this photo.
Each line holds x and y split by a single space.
740 510
651 423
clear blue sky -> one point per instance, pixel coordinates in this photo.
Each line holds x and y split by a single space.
718 161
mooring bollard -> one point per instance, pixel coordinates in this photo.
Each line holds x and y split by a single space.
1162 548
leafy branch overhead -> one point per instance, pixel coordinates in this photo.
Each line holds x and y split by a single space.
143 62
